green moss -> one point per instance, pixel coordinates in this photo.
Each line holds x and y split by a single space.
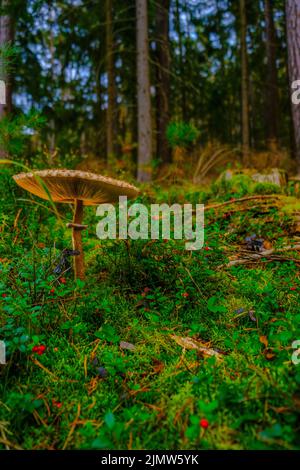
266 188
154 396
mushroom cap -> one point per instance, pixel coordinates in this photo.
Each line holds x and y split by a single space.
69 185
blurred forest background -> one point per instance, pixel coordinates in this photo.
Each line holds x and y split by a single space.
137 86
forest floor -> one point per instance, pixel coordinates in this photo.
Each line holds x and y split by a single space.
160 348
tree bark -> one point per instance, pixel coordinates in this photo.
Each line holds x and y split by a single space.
293 42
245 84
111 87
272 98
181 63
99 112
162 79
143 94
6 37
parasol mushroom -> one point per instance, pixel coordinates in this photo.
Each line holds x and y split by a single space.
79 188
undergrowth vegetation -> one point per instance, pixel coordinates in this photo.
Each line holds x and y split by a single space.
106 363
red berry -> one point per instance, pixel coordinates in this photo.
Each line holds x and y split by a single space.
39 349
42 349
4 295
52 291
293 288
185 294
57 404
63 280
204 423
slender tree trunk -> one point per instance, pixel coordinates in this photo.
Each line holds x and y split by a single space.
219 18
226 137
272 106
162 79
100 112
143 94
111 87
293 42
52 126
6 37
245 84
287 102
181 64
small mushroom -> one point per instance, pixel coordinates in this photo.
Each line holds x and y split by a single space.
79 188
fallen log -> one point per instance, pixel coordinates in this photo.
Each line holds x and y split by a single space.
242 199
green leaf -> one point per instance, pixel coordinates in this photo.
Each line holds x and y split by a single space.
108 333
109 420
214 307
101 443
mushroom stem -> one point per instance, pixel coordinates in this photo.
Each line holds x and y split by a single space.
77 240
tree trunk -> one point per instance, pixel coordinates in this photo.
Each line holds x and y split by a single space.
143 94
6 37
111 87
245 84
272 98
99 112
162 79
181 63
293 42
